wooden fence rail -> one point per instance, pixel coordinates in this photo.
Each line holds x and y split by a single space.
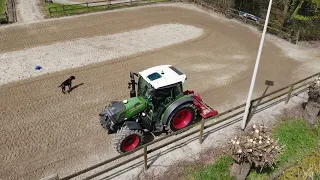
296 88
97 6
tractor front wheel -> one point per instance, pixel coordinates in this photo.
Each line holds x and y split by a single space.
127 140
182 117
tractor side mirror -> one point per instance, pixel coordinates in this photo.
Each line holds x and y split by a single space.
132 74
132 84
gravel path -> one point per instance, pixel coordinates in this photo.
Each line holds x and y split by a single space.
71 54
28 10
308 53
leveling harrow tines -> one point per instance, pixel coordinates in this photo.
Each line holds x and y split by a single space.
161 105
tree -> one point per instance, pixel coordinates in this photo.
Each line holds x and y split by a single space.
305 10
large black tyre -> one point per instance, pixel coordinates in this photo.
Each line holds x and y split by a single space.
127 140
182 117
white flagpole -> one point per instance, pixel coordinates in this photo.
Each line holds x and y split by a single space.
246 112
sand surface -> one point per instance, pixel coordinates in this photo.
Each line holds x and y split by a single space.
28 10
72 54
44 131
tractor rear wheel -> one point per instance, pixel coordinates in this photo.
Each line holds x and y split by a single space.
127 140
182 117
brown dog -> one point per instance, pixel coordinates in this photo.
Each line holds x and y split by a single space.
67 82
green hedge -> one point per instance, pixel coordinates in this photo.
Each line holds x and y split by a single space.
2 6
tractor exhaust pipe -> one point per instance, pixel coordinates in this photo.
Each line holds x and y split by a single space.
132 85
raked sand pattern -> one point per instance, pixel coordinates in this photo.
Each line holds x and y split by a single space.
71 54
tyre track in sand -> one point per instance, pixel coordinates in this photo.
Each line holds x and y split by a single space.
45 131
53 31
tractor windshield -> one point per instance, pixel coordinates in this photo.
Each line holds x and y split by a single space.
144 88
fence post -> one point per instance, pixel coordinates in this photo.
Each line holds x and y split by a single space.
228 14
145 157
297 36
290 38
7 17
131 2
64 11
107 6
87 6
201 131
289 94
13 6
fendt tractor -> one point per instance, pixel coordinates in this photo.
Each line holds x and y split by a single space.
159 105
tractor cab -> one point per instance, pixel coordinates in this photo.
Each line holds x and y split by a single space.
160 84
157 103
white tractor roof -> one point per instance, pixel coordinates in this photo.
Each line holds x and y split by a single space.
163 75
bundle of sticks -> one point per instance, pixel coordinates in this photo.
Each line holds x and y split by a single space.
255 147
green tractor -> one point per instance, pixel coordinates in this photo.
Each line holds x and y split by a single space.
158 105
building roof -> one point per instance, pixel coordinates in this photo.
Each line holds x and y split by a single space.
163 75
